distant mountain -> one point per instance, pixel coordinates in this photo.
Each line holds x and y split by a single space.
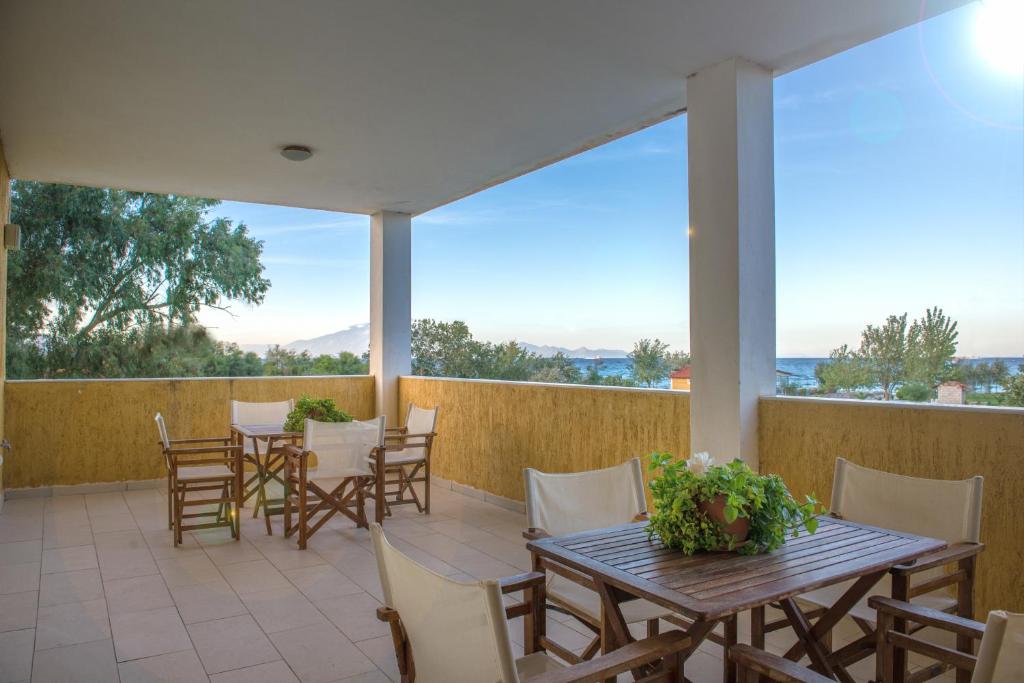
356 339
581 352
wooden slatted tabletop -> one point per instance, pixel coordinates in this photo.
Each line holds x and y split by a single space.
710 586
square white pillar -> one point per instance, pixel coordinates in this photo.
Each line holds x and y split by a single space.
732 255
390 308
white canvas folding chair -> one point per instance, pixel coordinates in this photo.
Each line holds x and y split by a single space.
408 459
265 457
340 478
1000 656
201 465
558 504
448 631
937 508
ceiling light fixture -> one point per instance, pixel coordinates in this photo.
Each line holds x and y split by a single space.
296 152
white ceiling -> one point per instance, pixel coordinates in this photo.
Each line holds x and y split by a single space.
407 105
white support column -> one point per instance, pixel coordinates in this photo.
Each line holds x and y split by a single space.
732 255
390 308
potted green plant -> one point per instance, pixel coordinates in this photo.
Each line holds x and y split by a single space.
319 409
703 506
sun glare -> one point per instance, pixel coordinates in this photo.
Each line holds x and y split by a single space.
999 34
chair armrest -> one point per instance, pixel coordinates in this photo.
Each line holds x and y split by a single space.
293 451
535 534
959 551
927 616
641 517
635 654
772 667
511 584
395 430
212 439
199 450
387 614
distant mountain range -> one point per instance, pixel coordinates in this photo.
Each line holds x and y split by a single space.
356 339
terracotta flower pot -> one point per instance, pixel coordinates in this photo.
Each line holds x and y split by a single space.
715 510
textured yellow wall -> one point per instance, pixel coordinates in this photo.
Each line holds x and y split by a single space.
5 207
801 438
76 432
489 431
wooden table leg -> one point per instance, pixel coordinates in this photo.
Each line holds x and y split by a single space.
813 639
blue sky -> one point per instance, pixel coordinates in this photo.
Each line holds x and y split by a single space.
899 185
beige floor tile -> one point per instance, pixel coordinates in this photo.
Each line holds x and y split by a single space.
112 522
274 672
123 564
14 528
381 652
18 611
251 577
233 552
282 609
69 559
67 533
93 662
289 556
72 623
370 677
144 634
355 615
233 643
79 586
161 543
207 601
21 552
18 578
176 667
16 655
321 582
137 594
188 570
320 654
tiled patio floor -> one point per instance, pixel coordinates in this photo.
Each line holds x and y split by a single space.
91 589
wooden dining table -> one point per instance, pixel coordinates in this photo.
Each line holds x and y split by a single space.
709 588
267 461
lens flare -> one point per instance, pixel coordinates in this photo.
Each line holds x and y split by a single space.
999 34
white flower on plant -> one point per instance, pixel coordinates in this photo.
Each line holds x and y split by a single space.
700 463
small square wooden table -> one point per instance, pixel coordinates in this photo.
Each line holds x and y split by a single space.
268 461
710 587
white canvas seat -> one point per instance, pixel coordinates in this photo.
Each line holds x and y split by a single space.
566 503
338 480
448 631
260 413
943 509
407 461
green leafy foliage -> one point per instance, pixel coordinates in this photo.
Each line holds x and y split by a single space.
319 409
763 499
914 391
651 363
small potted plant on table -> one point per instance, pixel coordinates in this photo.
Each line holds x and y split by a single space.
319 409
703 506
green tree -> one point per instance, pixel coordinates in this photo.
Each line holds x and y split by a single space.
844 371
1000 373
678 360
102 265
884 351
345 363
931 344
1015 388
650 362
442 349
280 361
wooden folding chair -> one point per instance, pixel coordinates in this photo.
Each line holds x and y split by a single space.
948 510
558 504
266 457
1000 656
448 631
408 460
201 465
338 482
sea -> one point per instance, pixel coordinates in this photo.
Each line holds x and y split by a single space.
801 370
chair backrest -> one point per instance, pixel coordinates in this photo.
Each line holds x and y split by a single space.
581 501
419 421
164 439
945 509
1001 654
457 630
268 413
343 447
